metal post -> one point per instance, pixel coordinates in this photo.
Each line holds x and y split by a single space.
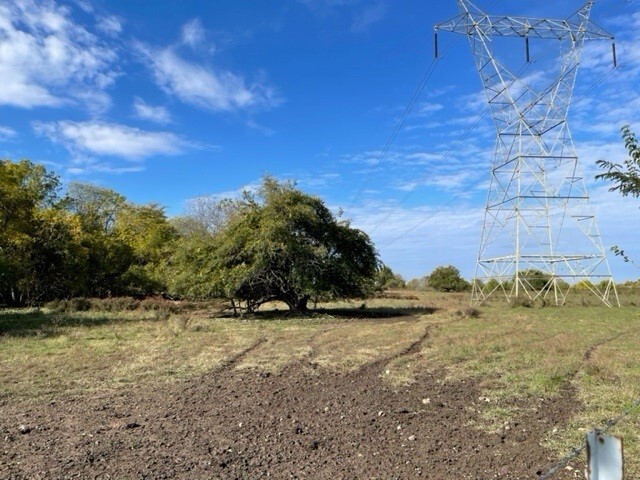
604 457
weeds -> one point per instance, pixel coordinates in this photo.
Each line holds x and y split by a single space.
516 353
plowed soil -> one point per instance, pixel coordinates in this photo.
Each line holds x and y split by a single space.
305 422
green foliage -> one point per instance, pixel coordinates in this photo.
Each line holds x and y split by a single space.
448 279
584 285
286 245
97 207
279 244
386 279
534 279
92 242
190 271
493 284
146 230
28 253
625 176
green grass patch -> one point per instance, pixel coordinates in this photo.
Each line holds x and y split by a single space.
515 353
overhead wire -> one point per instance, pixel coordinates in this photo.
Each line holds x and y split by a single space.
450 151
407 111
414 98
482 176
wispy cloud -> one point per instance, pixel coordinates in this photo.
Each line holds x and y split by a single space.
205 87
363 13
7 132
110 139
46 58
193 33
110 25
370 15
427 108
157 114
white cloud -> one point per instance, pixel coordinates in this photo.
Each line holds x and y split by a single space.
45 57
109 24
427 108
85 5
7 132
158 114
193 33
111 139
205 87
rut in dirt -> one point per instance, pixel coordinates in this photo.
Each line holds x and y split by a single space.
302 423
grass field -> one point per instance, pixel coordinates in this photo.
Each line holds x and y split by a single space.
516 353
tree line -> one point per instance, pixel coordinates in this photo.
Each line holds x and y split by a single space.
277 243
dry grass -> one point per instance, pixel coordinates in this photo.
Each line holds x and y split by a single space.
516 353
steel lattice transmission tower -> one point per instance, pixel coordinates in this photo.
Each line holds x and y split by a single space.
538 216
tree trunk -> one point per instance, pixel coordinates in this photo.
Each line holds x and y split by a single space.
297 304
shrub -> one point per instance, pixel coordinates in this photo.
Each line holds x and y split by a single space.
520 301
472 312
448 279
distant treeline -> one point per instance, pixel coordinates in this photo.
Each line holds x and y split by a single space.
89 241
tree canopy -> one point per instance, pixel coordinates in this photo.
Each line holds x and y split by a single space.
277 243
386 279
90 242
448 279
282 244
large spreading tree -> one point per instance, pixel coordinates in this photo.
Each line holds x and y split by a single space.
282 244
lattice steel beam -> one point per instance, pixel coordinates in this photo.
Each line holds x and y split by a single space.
538 216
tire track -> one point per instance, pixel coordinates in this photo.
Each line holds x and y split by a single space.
231 362
414 347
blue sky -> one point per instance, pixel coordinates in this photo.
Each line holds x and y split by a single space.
166 101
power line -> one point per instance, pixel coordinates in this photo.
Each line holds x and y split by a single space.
396 130
478 179
450 151
414 98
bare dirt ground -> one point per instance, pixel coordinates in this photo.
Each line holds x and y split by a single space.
305 422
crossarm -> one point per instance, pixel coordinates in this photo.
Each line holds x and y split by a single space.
493 25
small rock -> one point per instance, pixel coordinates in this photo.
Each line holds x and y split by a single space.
24 429
399 427
387 372
131 425
412 438
426 401
381 413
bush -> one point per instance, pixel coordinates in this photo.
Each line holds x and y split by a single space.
535 279
520 301
79 304
472 312
114 304
448 279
